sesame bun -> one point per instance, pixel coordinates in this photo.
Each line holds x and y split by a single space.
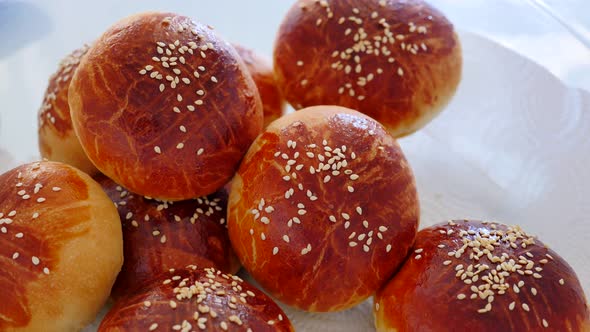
196 299
323 208
60 246
482 276
396 61
162 235
164 106
262 72
57 139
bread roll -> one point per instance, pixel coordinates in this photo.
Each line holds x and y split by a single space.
323 208
398 61
162 235
164 106
468 275
196 299
60 248
262 72
57 139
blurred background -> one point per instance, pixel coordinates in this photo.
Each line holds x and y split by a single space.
35 35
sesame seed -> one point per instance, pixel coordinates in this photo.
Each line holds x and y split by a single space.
512 305
350 189
200 151
461 296
214 79
561 282
157 149
545 324
354 177
417 257
15 255
153 327
19 235
179 146
35 260
525 307
275 250
40 200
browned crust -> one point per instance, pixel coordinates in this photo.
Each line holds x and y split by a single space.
263 74
160 235
132 131
60 248
423 296
385 191
166 307
57 139
404 94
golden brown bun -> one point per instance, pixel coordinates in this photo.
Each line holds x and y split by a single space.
396 61
60 248
196 299
162 235
148 122
262 72
57 139
323 241
482 276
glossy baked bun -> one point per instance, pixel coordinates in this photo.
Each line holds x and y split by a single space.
396 61
482 276
164 106
57 139
262 72
323 208
196 299
161 235
60 248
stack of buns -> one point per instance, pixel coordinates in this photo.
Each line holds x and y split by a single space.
196 171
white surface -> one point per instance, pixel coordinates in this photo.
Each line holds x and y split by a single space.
513 145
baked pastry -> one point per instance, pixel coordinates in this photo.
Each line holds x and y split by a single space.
57 139
398 61
196 299
164 106
468 275
263 74
323 208
161 235
60 248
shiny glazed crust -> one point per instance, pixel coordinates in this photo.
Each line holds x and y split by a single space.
396 61
263 74
482 276
57 139
195 299
162 235
164 106
60 248
323 208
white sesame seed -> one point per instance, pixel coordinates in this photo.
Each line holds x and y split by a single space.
388 248
545 324
561 282
157 149
200 151
15 255
275 250
35 260
350 189
46 270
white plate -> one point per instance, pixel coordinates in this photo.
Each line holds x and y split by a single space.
513 146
